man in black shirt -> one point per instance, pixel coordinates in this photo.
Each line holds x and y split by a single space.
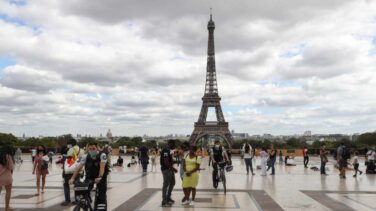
144 158
168 172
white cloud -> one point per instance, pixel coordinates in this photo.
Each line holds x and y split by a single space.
139 67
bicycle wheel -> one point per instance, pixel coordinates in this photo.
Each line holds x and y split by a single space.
77 208
223 177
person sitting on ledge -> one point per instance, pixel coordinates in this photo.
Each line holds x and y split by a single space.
289 161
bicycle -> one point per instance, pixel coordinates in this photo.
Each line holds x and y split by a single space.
220 176
82 190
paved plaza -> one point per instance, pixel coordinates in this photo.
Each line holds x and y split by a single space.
292 188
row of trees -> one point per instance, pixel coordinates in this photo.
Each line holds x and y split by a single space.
365 140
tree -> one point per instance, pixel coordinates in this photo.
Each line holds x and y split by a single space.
8 139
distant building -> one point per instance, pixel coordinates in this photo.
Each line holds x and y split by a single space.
307 133
239 135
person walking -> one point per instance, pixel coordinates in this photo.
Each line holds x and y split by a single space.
71 158
153 158
355 163
144 158
264 160
168 173
190 180
40 168
324 159
280 157
306 158
341 160
6 172
248 156
272 159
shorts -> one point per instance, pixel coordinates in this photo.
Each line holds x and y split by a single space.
342 163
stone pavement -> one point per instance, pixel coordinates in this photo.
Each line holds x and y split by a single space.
292 188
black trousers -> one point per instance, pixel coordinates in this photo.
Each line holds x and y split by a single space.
306 160
100 202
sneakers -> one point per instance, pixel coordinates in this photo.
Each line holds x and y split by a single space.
186 202
170 201
191 203
66 203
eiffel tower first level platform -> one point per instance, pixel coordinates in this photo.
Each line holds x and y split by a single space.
211 99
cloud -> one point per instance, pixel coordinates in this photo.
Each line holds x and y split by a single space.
138 67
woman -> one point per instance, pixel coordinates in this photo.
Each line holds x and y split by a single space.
153 158
272 159
324 159
40 168
190 180
6 171
264 160
248 156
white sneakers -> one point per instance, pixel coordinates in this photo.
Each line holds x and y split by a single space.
188 202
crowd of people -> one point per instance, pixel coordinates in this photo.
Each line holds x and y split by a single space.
93 164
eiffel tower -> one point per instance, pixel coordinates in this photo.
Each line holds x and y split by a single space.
211 99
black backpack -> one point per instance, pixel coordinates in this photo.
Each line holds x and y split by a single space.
44 165
346 153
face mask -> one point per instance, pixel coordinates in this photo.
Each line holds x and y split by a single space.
69 146
217 146
93 153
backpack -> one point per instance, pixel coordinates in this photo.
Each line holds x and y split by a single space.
346 153
44 165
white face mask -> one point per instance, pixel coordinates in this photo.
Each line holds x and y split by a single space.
69 145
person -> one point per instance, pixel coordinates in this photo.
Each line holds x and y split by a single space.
355 163
324 159
342 162
18 156
40 168
264 160
6 172
190 180
370 164
71 154
306 158
280 157
168 173
33 154
153 158
119 161
272 159
218 154
144 158
248 156
184 152
50 154
133 160
96 169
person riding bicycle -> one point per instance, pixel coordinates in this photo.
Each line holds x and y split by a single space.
217 154
96 169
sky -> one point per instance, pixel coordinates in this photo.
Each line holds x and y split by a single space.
138 67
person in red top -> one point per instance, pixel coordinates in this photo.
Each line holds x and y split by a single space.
306 158
40 168
6 172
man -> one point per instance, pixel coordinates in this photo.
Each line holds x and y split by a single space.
168 172
324 159
306 158
144 158
96 169
371 156
72 152
218 154
341 160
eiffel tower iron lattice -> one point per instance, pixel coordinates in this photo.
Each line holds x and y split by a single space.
211 99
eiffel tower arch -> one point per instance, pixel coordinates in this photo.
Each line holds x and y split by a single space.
211 99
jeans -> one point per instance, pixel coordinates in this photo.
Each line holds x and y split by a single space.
168 184
306 160
67 188
144 163
322 168
271 165
248 164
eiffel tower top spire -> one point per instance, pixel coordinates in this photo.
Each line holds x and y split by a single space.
211 76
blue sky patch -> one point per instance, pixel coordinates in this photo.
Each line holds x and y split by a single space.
14 21
294 51
6 61
19 3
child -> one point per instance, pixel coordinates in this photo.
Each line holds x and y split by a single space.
356 165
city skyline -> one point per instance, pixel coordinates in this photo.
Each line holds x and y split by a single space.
139 67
